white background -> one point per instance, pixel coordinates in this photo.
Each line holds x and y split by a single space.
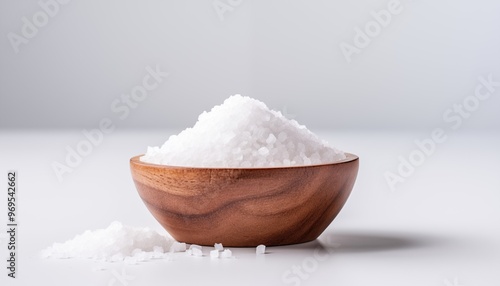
286 53
441 226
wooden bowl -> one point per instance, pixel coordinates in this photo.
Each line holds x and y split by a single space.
245 206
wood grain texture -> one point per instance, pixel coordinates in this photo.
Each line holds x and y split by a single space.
245 207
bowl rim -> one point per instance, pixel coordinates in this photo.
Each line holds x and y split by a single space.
136 161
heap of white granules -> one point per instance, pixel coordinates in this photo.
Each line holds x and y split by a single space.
243 133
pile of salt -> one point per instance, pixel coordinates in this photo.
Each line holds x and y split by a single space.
243 133
115 243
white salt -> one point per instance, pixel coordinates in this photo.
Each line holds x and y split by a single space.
195 246
260 249
271 139
282 136
115 243
178 247
263 151
226 253
218 246
158 252
243 133
197 251
194 250
214 253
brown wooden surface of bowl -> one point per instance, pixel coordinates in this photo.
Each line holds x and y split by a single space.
245 206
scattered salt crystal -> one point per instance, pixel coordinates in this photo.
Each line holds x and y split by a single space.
178 247
194 250
219 246
214 253
197 251
113 244
261 249
226 253
195 246
240 133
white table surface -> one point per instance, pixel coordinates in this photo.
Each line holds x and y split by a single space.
441 227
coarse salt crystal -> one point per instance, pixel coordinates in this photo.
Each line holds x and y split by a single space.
214 253
271 139
226 253
178 247
260 249
263 151
195 246
197 252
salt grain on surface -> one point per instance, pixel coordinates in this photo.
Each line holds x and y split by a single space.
178 247
226 254
115 243
197 252
261 249
243 133
214 253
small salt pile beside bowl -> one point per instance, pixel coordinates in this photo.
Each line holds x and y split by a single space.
243 133
119 243
115 243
